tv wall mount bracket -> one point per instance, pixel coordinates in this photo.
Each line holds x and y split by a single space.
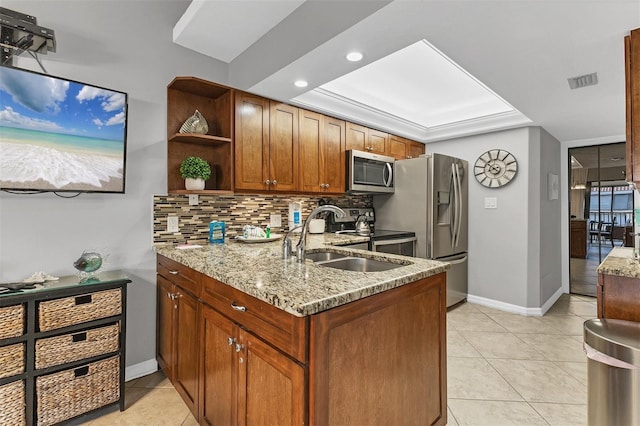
19 33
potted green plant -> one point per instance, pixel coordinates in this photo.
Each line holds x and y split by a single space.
195 171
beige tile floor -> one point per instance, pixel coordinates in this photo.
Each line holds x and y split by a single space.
503 369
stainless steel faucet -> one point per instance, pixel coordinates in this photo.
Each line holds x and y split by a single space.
301 246
287 251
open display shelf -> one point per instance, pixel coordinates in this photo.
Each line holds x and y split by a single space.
185 95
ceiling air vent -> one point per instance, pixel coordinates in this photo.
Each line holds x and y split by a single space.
583 81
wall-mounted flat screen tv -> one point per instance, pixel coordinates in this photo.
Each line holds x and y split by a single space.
58 134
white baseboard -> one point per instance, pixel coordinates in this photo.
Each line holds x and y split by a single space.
141 369
553 299
516 309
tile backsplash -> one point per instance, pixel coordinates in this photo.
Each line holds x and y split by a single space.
235 210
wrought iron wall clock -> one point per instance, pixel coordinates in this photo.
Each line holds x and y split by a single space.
495 168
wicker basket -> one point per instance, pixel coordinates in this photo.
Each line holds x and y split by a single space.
12 397
11 321
72 310
76 346
61 396
11 360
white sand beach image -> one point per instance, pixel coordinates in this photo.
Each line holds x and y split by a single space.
31 166
60 135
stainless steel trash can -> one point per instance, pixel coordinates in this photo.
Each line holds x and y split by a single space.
613 365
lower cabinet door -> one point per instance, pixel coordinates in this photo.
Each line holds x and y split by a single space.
164 327
271 386
217 369
187 345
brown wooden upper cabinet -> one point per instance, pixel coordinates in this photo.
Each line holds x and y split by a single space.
401 148
322 147
415 149
185 95
365 139
266 144
632 81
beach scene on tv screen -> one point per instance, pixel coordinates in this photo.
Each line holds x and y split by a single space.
60 135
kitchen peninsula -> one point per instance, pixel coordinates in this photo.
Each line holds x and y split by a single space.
247 337
618 289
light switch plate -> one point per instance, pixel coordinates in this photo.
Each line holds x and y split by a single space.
275 220
172 224
490 203
193 199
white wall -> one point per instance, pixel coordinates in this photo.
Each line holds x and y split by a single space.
506 265
124 48
550 219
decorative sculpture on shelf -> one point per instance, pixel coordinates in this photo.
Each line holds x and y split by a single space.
88 264
195 124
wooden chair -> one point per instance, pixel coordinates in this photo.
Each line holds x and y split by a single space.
593 229
605 231
601 230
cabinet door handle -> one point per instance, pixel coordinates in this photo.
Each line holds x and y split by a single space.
239 347
326 185
275 182
267 182
173 272
230 340
238 307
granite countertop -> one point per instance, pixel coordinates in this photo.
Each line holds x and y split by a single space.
620 262
299 288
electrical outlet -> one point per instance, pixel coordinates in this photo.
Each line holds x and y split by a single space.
275 220
490 203
172 224
193 199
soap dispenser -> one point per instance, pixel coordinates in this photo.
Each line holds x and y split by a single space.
295 214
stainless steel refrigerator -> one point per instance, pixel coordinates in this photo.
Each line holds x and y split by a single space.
430 198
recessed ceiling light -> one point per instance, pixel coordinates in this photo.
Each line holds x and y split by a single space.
301 83
354 56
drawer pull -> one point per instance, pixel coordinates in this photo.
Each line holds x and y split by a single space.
173 272
83 300
238 307
80 337
82 371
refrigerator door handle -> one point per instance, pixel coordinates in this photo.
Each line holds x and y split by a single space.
454 204
454 207
387 182
458 203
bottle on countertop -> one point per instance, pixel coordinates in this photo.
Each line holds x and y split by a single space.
216 232
295 215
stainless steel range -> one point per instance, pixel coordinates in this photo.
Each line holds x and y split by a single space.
401 242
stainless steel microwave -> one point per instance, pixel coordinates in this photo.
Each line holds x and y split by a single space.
369 173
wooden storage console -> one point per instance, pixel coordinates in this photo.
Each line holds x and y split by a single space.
62 349
579 238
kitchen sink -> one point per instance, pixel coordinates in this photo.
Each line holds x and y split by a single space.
360 264
322 256
348 262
